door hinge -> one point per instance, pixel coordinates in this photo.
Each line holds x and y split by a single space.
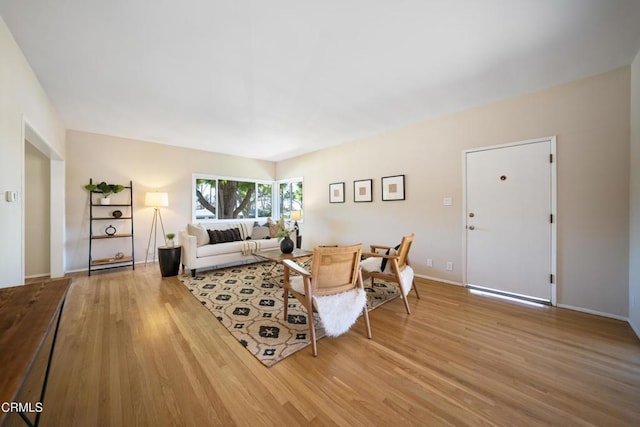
550 158
551 218
551 278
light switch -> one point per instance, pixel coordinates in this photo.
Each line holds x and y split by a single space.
447 201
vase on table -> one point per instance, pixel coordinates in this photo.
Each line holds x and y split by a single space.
286 245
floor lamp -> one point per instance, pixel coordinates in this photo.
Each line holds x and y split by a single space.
157 201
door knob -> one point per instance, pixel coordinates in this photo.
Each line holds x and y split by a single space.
471 227
471 214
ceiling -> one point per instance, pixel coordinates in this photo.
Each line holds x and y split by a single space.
279 78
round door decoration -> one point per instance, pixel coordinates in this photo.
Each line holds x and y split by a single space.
110 230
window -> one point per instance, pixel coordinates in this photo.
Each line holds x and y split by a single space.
265 200
228 198
205 197
290 196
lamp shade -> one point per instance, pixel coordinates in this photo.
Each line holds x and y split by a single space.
296 215
156 199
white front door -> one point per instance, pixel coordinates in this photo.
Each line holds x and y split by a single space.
509 224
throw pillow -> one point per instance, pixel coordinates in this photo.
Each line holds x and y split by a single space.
383 266
260 232
213 237
224 236
234 235
202 237
244 231
274 228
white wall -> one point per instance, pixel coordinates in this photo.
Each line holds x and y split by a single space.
634 235
590 118
151 167
22 100
37 187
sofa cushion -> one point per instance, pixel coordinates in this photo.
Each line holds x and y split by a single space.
219 249
202 237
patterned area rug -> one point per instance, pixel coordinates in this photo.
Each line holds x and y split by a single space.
248 301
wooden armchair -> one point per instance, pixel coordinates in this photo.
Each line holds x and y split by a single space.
396 263
335 270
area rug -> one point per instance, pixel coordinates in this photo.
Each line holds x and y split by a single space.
247 300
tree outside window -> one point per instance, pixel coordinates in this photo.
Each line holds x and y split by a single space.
205 199
265 200
236 199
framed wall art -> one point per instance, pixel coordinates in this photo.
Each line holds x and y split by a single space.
393 187
362 190
336 192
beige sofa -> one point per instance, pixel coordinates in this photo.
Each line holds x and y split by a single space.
200 252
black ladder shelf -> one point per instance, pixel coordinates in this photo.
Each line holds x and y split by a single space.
102 216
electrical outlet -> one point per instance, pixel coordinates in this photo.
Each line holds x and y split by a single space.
449 266
429 262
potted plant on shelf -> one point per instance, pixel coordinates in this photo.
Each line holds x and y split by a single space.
105 189
170 237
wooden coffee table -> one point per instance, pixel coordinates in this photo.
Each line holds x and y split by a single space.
276 257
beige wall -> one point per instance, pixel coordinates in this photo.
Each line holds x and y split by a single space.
37 212
590 118
634 235
151 167
22 100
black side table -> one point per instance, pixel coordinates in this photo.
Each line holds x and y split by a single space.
169 260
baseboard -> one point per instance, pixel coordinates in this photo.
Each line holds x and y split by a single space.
437 279
595 312
635 328
35 276
81 270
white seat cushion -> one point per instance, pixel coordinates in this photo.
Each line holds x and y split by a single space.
297 284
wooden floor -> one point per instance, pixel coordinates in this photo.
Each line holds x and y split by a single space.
135 349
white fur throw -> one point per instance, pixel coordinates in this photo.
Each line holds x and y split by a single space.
339 312
406 279
406 275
